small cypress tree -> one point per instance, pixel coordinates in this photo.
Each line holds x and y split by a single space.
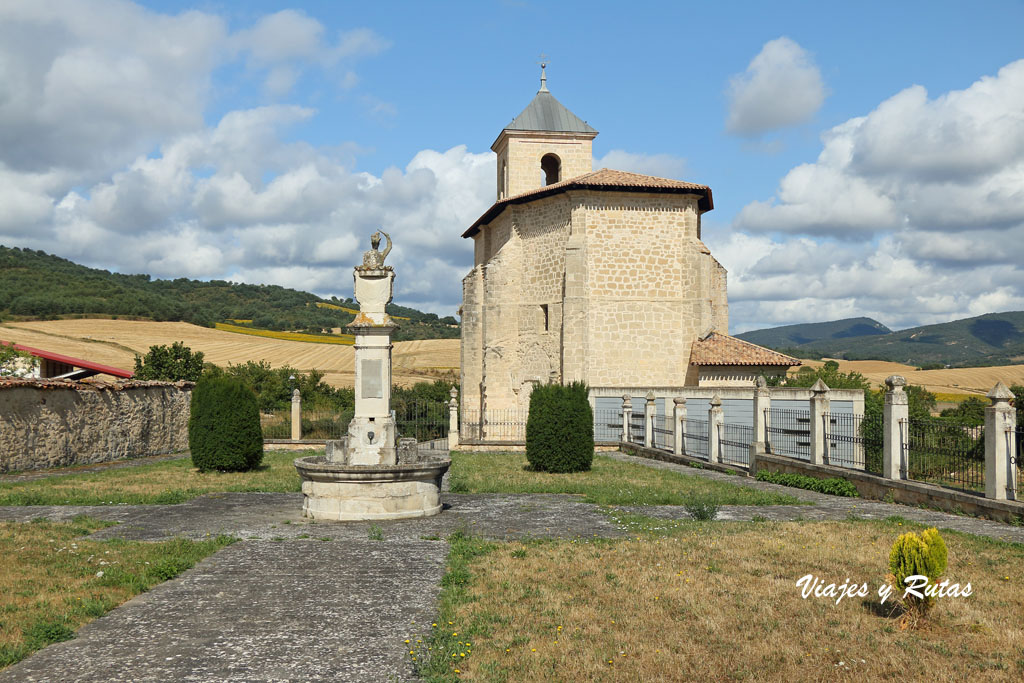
224 432
560 429
923 555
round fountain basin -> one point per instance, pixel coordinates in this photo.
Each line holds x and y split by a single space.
336 491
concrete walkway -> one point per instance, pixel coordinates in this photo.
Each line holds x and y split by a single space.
304 601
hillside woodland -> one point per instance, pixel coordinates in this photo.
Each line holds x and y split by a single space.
35 285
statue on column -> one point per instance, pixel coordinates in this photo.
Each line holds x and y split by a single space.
374 259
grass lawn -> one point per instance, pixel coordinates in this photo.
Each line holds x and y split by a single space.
52 581
717 601
610 482
167 482
174 481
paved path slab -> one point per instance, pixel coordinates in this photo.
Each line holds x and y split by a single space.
263 611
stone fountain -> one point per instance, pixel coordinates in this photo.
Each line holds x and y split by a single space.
364 475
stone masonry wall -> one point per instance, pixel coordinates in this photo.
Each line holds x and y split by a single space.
653 287
519 159
58 423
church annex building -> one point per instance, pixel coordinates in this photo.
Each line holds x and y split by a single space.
599 276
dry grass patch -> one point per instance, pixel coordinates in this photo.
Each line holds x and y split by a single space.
52 581
160 483
718 601
115 342
609 482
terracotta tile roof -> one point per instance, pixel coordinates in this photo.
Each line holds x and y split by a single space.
606 180
721 349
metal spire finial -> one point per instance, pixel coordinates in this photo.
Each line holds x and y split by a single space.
544 61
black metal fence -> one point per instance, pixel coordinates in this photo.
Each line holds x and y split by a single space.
944 453
1016 486
662 435
854 441
607 426
636 427
277 425
734 443
503 426
423 421
695 442
788 432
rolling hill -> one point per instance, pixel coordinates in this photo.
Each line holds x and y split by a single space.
793 336
990 339
35 285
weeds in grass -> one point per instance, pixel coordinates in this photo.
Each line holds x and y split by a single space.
701 510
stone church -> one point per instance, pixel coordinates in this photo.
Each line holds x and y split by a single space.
599 276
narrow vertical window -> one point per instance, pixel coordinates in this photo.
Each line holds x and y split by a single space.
544 317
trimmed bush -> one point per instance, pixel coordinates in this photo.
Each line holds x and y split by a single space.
224 431
560 429
833 485
923 555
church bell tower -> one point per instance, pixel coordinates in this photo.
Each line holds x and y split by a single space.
544 145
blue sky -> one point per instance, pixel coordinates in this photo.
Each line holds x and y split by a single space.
865 159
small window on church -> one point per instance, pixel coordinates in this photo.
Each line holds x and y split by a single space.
551 166
544 317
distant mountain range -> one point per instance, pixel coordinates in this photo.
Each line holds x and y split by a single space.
990 339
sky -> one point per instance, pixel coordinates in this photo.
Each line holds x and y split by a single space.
866 159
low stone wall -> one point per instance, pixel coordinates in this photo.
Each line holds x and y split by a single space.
905 491
56 423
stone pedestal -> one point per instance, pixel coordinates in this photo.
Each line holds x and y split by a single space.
364 476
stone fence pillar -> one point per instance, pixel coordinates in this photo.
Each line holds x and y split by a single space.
1000 451
627 415
896 421
649 420
762 404
819 407
679 425
296 416
453 420
715 418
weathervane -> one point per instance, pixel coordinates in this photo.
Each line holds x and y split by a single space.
544 61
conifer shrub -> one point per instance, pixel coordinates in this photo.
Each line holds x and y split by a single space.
224 431
560 429
923 555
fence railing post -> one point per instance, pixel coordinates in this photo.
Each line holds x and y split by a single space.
895 415
762 404
649 420
296 416
453 420
627 416
819 407
679 425
715 418
1000 418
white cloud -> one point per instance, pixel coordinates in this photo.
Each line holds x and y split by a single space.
954 163
781 87
105 156
913 214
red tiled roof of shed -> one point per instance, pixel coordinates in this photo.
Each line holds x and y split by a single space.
721 349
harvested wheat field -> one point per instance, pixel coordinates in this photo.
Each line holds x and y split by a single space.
971 381
115 342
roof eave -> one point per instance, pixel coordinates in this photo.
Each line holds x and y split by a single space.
498 207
